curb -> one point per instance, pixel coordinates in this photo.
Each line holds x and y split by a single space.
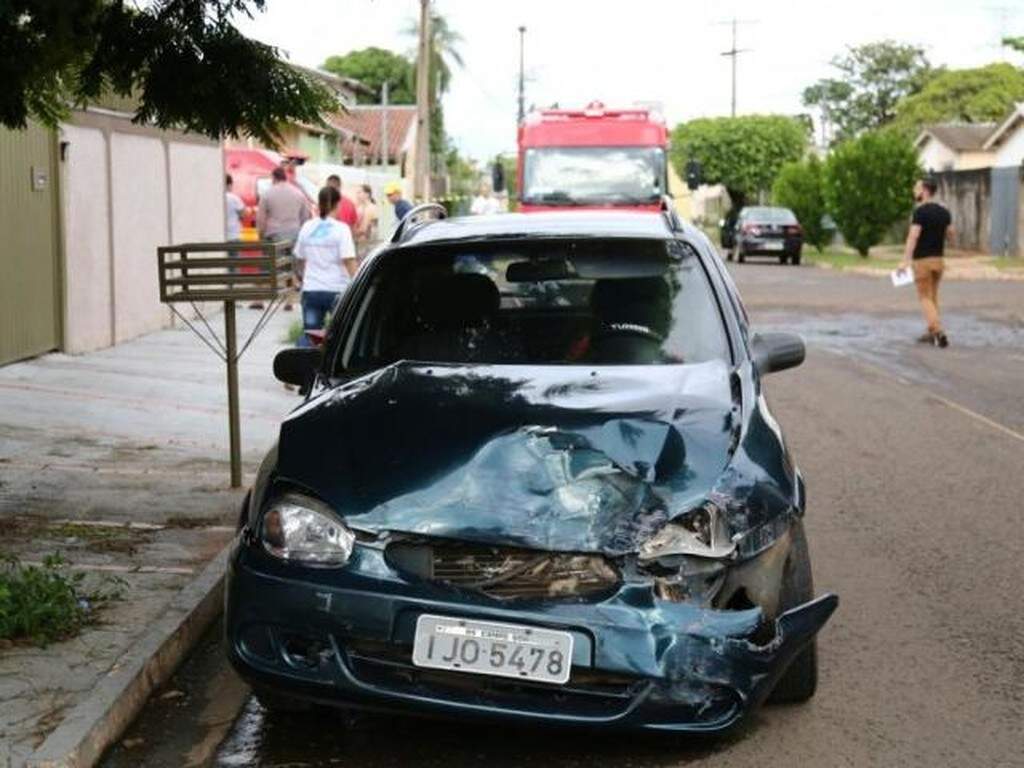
99 720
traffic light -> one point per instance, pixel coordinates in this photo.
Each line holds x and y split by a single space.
693 174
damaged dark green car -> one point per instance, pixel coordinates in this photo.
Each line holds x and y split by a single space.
534 478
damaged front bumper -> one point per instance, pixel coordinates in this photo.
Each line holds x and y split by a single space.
345 637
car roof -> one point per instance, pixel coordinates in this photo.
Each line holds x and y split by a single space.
764 209
559 224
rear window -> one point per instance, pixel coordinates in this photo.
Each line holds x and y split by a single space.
594 302
770 215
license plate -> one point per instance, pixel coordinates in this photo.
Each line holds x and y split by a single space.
489 648
774 245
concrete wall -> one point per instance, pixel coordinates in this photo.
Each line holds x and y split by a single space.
126 190
967 194
1010 151
936 156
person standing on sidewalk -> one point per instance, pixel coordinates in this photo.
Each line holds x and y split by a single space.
325 258
280 214
366 223
393 192
346 208
930 227
234 210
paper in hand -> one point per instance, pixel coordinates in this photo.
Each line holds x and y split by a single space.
901 277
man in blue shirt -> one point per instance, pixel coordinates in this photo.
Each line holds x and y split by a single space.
393 191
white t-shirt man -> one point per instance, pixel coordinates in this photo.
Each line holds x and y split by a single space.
234 208
485 205
324 245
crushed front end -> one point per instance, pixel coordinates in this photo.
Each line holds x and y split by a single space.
651 531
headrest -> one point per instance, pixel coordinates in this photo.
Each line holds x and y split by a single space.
457 300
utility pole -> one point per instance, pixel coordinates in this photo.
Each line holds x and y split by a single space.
522 77
421 190
384 123
733 53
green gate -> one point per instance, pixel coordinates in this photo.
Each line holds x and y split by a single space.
30 294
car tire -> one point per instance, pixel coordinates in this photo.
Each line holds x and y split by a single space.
795 259
782 259
728 254
800 680
740 256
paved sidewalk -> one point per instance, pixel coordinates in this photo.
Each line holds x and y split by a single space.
118 460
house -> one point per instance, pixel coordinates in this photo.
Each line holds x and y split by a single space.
317 143
1006 142
390 134
954 146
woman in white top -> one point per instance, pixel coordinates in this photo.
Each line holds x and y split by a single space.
366 223
325 261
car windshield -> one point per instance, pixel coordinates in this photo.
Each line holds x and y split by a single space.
769 216
593 175
597 302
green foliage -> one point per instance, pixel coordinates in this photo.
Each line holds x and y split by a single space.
984 94
182 62
867 185
873 79
1016 43
799 188
372 67
46 603
742 153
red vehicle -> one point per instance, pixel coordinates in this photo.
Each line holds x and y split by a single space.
250 173
592 158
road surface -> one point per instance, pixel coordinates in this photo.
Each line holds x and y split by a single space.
914 459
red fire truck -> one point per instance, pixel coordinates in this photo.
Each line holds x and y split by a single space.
592 158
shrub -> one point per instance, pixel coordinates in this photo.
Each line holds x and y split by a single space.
799 188
867 186
47 603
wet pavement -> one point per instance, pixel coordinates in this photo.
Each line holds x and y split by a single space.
912 457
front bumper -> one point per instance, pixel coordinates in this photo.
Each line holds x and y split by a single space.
344 636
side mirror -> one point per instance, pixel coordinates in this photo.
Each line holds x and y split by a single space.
773 352
296 366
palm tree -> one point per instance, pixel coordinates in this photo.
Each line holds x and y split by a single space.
444 54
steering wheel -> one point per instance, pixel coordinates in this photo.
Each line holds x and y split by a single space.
611 330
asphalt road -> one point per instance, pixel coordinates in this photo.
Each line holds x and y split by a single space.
914 459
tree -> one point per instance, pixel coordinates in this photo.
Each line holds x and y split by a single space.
743 154
372 67
868 183
985 94
1016 43
181 61
444 53
873 79
799 188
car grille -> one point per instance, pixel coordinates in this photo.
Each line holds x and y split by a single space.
504 572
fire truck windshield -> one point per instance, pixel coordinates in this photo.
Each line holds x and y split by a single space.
593 175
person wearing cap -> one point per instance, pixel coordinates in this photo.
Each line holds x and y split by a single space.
393 192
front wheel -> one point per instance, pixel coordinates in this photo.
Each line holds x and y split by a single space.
740 256
800 681
782 259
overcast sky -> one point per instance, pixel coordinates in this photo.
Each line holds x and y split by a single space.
642 50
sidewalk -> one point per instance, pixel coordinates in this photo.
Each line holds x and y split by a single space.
119 461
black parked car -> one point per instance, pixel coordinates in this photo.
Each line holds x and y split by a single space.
534 478
764 231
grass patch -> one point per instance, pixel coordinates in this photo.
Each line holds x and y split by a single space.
846 259
1007 262
45 603
294 332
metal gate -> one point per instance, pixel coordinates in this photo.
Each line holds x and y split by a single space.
1006 184
30 297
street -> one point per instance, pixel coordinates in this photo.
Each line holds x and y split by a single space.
912 457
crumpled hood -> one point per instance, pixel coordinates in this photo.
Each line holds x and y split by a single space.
555 458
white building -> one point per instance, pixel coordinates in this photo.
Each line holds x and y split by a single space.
1006 141
954 146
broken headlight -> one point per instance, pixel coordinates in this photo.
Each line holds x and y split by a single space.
701 532
301 529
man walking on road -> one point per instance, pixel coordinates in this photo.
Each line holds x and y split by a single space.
281 213
930 227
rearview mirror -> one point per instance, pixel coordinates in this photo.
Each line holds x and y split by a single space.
296 366
771 352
